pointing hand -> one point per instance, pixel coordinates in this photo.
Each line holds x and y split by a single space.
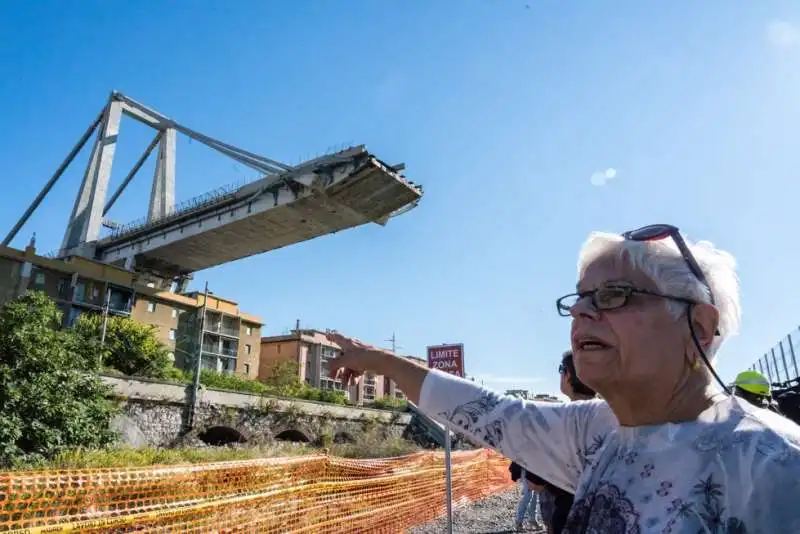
355 358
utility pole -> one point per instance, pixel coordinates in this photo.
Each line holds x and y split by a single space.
106 304
199 364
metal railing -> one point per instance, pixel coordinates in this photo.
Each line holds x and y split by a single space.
779 364
218 328
187 206
211 349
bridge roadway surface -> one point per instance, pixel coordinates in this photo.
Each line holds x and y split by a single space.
322 196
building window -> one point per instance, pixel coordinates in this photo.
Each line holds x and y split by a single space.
247 368
151 306
328 353
40 278
247 349
248 331
95 292
327 383
80 289
174 313
172 333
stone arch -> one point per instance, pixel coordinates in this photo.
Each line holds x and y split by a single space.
221 435
343 437
294 435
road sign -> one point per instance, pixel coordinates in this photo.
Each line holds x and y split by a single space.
450 359
447 358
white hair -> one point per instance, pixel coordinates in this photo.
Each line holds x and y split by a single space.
662 262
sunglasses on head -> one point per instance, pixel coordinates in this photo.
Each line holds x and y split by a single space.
657 232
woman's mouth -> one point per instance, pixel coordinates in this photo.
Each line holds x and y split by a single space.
590 344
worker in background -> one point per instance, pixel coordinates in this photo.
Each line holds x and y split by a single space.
754 387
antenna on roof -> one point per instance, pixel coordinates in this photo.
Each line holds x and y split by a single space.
395 346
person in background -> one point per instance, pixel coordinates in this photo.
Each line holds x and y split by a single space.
754 387
559 501
571 385
546 505
529 501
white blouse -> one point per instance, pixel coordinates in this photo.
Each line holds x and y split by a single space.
735 470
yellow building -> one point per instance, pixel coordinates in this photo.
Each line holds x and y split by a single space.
230 337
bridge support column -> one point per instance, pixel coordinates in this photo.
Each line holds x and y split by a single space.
162 195
87 213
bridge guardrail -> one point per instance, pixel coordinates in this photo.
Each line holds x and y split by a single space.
309 494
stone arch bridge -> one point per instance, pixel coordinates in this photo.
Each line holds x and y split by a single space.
157 413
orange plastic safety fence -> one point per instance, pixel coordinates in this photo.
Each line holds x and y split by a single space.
308 494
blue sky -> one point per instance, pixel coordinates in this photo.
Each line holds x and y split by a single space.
502 109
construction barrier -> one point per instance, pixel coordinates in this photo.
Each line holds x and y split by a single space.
304 494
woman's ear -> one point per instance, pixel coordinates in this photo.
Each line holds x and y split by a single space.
705 322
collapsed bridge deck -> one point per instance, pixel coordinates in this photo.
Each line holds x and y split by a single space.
319 197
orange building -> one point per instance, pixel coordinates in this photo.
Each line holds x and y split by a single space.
312 352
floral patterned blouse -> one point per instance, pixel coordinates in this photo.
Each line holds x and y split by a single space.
735 470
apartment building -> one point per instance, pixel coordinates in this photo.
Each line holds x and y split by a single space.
312 351
230 337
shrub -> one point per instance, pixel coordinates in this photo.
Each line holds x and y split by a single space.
284 379
130 347
322 395
51 398
389 403
214 379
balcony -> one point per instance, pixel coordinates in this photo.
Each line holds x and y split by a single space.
222 329
214 349
369 393
222 365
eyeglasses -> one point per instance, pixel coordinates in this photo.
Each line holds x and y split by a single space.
613 297
608 297
657 232
562 369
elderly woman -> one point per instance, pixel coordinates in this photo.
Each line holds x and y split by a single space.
665 450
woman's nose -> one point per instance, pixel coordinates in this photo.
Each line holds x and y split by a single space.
584 308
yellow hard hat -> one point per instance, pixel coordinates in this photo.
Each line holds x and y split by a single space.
753 382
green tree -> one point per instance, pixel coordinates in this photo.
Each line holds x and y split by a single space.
130 347
284 378
51 398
